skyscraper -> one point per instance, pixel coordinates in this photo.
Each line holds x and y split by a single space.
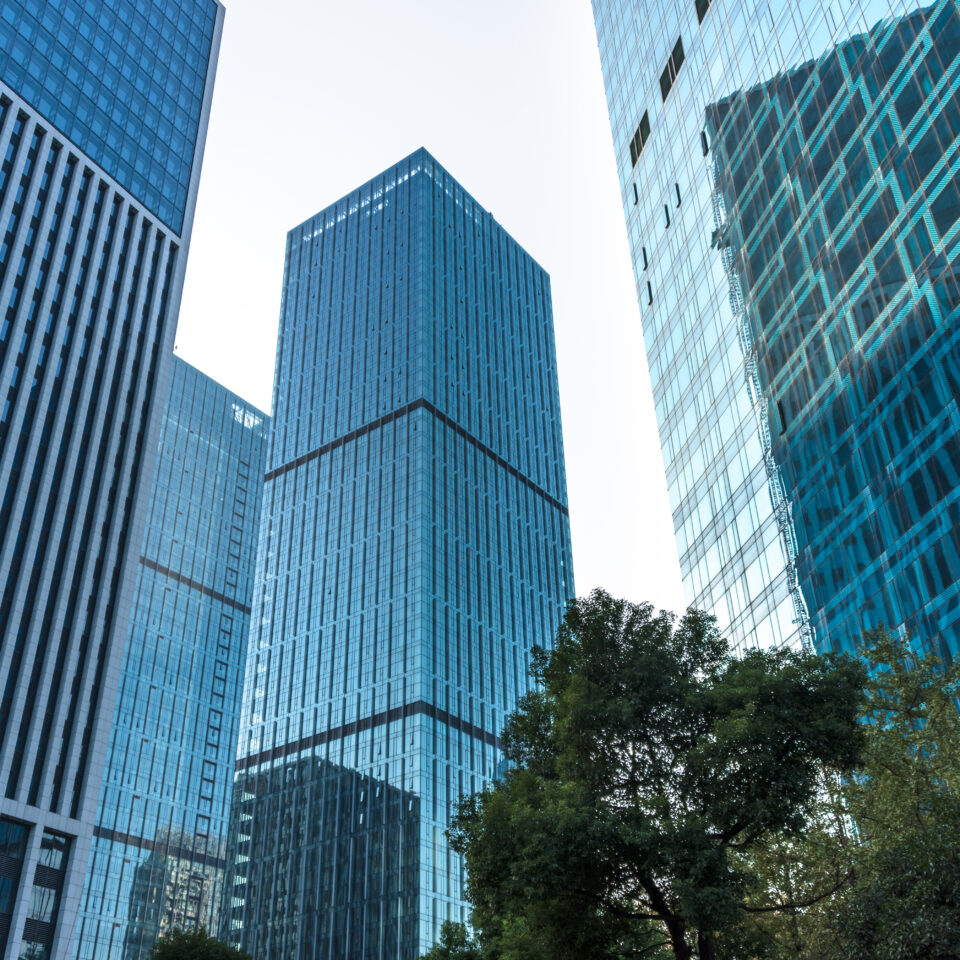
103 113
159 839
787 174
414 547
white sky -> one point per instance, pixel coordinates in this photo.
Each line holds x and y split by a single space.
314 97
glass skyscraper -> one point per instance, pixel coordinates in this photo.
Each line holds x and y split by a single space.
414 546
788 175
159 840
103 113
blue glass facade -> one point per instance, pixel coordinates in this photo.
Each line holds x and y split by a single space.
123 79
414 546
787 187
90 284
159 842
838 181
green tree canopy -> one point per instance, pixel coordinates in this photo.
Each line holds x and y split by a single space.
455 943
647 762
891 833
194 945
905 904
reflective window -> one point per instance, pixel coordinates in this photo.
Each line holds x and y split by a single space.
123 79
414 546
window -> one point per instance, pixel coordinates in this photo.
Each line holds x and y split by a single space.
672 68
702 7
640 138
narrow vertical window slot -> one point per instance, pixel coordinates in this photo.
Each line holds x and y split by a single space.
640 138
671 69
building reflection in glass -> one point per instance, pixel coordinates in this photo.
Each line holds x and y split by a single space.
179 885
838 210
158 842
330 861
788 175
414 547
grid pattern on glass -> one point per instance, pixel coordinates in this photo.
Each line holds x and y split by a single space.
159 840
733 554
87 280
85 286
799 307
122 79
839 182
414 546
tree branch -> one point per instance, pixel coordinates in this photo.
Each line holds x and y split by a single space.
799 905
613 908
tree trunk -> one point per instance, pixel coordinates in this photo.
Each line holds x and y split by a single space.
706 946
678 939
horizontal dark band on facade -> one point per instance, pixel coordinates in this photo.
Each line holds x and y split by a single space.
155 846
418 707
421 404
195 585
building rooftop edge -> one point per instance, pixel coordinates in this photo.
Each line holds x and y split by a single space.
253 407
425 154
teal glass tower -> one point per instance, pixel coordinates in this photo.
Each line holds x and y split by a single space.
159 839
789 181
414 546
103 115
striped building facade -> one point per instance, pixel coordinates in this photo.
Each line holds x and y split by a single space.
103 113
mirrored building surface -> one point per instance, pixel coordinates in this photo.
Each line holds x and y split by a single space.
788 181
160 834
414 546
103 114
123 80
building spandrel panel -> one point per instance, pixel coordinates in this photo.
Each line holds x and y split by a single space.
414 547
782 216
159 840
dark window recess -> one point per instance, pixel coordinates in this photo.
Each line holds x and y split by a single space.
13 851
643 250
702 7
783 418
704 143
672 68
640 138
649 293
636 195
666 213
677 187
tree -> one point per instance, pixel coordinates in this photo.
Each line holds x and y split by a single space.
905 904
455 943
645 765
892 831
194 945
